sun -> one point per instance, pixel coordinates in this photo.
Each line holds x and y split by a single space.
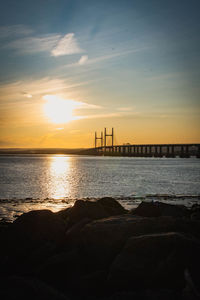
59 110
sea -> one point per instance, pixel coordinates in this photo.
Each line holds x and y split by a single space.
55 182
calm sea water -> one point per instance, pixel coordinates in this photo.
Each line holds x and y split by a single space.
55 181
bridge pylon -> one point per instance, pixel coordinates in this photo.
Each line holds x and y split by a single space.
106 134
98 138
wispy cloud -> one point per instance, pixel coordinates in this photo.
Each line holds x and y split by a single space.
83 60
27 95
105 115
14 30
55 44
23 91
66 45
101 116
125 109
32 45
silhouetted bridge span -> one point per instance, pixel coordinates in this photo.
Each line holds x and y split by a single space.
140 150
146 150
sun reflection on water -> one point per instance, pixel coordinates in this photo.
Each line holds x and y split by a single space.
59 172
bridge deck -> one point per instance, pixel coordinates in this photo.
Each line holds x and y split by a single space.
148 150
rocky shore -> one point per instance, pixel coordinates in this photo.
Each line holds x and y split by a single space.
99 250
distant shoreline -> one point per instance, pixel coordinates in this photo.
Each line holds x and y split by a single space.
14 151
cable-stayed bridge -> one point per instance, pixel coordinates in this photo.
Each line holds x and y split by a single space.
140 150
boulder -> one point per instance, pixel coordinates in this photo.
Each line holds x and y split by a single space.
103 239
147 295
64 270
195 212
112 207
38 226
155 261
92 210
28 288
33 236
158 209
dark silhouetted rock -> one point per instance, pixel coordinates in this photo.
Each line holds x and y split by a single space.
92 210
104 239
23 288
154 261
165 294
31 239
39 226
94 283
158 209
95 249
64 270
195 212
81 210
111 206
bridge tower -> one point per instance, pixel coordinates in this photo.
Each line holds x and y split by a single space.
105 135
98 138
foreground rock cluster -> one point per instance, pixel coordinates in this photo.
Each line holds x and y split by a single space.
98 250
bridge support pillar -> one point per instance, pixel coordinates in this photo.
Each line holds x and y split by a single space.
145 150
160 151
150 151
198 152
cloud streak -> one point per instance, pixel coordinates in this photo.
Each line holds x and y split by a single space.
55 44
66 46
83 60
32 45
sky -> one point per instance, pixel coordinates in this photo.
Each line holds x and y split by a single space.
72 67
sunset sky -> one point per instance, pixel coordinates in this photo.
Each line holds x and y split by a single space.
72 67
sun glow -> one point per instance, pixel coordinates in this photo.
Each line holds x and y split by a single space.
59 110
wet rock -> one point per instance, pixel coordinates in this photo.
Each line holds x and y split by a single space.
104 239
81 210
147 295
94 283
154 261
91 210
73 234
157 209
83 251
24 288
4 224
38 226
30 239
195 212
64 270
111 206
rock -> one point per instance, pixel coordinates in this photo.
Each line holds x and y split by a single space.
147 295
195 215
28 288
103 239
81 210
155 261
33 236
190 292
111 206
38 226
195 212
74 232
83 251
64 270
157 209
91 210
94 283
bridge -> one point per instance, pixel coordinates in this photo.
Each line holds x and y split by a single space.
141 150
